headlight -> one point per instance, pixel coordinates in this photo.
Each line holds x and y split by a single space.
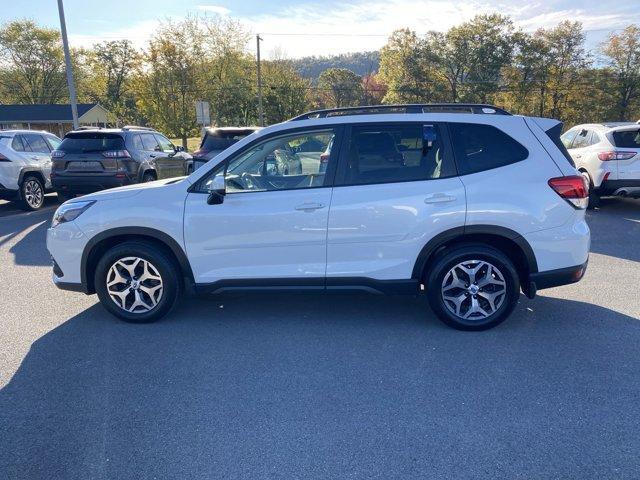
69 211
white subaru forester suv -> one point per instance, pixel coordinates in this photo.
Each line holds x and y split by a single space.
464 203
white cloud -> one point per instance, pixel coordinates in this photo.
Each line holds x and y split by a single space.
214 9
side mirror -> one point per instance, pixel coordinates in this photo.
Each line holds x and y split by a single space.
178 148
217 190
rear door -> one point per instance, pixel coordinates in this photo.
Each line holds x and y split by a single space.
169 163
628 140
396 189
41 154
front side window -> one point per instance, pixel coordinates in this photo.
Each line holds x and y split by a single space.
480 147
165 144
279 164
396 153
54 142
149 143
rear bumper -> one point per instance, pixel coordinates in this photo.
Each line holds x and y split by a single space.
610 186
88 183
555 278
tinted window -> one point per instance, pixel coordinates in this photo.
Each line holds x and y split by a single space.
19 144
483 147
627 139
88 142
149 142
221 139
396 153
165 144
276 164
37 143
581 140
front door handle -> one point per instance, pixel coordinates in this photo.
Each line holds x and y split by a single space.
439 198
309 207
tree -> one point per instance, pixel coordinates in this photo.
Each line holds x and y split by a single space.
405 69
373 90
340 87
622 53
32 64
108 72
285 92
168 90
471 56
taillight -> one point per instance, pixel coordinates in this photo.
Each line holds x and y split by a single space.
57 154
116 154
608 156
574 189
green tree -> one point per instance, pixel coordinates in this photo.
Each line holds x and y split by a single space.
285 92
32 64
622 54
108 72
340 87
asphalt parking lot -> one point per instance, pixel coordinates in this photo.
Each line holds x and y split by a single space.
299 386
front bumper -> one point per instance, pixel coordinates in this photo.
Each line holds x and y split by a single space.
80 184
66 243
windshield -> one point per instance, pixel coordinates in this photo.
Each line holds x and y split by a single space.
91 142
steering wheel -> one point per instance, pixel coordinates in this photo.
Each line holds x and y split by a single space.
247 181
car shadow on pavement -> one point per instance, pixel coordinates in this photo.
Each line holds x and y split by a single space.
299 386
31 248
614 216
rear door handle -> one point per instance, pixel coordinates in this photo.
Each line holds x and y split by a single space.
439 198
309 207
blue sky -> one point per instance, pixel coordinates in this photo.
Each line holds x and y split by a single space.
369 21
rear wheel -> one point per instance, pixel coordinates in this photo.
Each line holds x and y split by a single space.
473 287
148 177
32 193
137 282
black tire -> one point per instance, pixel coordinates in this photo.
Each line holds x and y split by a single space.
63 197
162 262
594 198
148 176
32 193
447 260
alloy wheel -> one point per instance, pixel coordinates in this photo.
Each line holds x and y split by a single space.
33 194
134 284
473 289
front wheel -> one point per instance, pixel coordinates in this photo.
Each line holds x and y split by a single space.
137 282
473 287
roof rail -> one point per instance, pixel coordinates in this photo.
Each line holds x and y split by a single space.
136 127
478 108
88 127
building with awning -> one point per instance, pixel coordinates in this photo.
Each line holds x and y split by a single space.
54 118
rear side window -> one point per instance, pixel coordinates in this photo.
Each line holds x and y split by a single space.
37 143
88 142
400 152
582 139
627 139
563 141
19 144
483 147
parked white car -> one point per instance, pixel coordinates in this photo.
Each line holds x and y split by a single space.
465 203
25 166
608 155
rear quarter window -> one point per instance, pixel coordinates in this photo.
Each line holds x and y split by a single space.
91 142
627 138
483 147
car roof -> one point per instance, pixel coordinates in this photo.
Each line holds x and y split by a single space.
605 126
22 131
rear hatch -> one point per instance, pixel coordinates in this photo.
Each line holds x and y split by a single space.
89 153
627 143
216 141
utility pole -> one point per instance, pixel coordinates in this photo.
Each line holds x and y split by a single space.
260 114
67 60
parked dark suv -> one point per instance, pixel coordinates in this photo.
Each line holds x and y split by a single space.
88 160
215 140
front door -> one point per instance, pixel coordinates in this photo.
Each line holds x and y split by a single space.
272 223
396 189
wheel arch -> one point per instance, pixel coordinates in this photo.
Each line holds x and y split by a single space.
504 239
101 242
31 171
